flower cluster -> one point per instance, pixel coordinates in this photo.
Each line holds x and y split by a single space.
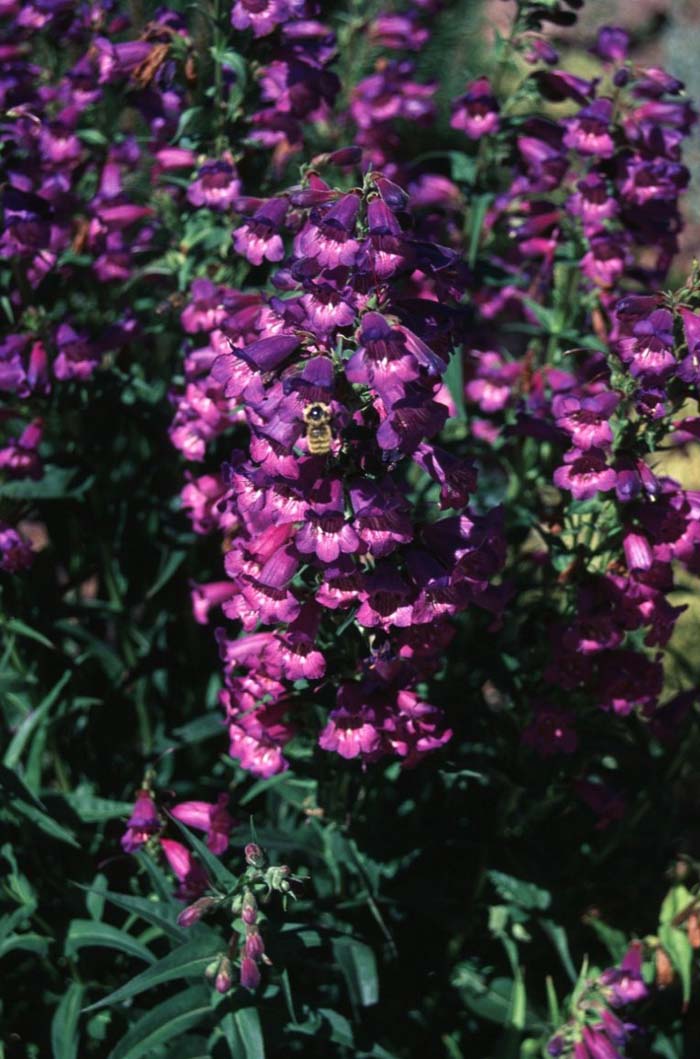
593 1030
338 390
146 825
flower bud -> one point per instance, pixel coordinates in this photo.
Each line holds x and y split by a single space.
249 915
212 969
250 974
193 913
346 156
664 969
254 855
224 978
254 945
693 928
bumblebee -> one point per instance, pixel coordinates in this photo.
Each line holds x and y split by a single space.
317 417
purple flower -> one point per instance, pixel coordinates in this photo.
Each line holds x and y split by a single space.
329 238
351 733
410 421
586 419
143 822
327 535
599 1044
625 982
592 202
191 876
213 819
476 112
217 186
262 16
260 237
588 132
612 44
585 473
15 551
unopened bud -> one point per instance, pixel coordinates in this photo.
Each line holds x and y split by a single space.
664 969
346 156
193 913
254 855
212 969
224 979
693 928
249 915
276 878
250 973
254 945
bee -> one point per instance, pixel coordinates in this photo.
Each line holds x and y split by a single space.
317 417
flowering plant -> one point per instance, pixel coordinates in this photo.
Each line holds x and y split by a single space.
348 479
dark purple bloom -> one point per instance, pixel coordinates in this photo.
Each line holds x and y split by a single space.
625 982
476 112
612 44
585 474
588 132
330 238
217 186
261 16
586 419
15 551
260 237
143 822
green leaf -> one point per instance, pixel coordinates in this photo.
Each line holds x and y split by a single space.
157 913
676 900
88 932
188 960
287 993
217 871
680 952
164 1023
94 810
22 629
170 564
557 935
356 961
247 1023
56 484
64 1026
19 740
478 208
45 823
514 891
615 940
28 942
95 899
454 379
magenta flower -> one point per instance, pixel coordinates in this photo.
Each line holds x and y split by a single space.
625 982
588 132
250 973
351 733
260 238
585 473
330 237
476 112
217 186
143 822
586 419
190 875
214 819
